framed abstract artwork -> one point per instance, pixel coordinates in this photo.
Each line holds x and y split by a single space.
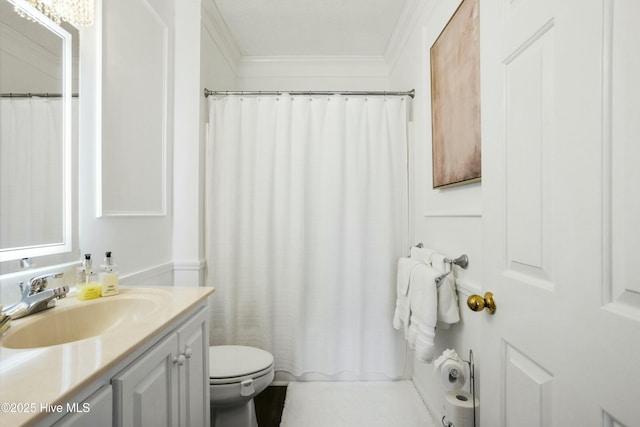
455 99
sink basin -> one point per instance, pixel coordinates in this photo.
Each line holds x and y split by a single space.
62 325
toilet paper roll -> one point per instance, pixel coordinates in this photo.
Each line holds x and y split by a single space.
458 408
452 374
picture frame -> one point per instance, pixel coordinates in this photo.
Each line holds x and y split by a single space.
455 99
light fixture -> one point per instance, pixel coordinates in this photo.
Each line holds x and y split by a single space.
75 12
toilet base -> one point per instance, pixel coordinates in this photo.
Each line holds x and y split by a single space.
234 416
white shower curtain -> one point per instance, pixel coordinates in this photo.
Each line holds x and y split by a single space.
306 216
31 152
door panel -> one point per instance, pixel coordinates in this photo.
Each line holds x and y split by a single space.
528 390
561 213
147 391
622 153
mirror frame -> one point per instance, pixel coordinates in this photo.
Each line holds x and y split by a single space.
66 245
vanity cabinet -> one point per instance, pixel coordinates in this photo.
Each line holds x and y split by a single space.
95 411
168 385
163 382
193 377
149 367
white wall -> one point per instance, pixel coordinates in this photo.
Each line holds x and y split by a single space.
446 220
187 209
141 245
166 249
312 73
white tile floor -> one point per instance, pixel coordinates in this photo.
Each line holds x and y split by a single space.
354 404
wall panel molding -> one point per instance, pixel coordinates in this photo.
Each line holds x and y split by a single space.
159 275
132 163
453 213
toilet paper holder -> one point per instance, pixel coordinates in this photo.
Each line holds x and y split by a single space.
472 390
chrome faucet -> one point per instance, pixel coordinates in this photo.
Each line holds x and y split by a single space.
35 296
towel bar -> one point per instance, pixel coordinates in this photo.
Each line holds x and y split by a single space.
440 278
462 261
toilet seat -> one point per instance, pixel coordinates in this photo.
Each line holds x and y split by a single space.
230 364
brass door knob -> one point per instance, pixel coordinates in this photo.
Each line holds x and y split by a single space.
477 303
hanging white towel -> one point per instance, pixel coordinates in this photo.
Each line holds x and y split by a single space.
448 311
421 254
423 301
402 312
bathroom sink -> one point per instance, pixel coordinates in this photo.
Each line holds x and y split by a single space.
62 325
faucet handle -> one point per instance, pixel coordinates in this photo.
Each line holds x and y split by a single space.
23 291
39 283
61 292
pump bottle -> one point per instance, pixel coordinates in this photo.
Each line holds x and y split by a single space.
109 277
87 286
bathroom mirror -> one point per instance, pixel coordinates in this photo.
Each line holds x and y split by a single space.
36 170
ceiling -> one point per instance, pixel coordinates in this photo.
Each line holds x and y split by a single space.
38 34
311 27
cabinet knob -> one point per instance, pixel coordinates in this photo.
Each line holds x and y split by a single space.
179 360
188 352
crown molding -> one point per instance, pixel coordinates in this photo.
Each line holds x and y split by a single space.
220 33
409 16
29 53
372 66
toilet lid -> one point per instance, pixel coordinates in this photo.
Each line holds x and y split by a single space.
227 361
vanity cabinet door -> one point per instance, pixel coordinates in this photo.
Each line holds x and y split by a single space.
96 411
193 343
146 393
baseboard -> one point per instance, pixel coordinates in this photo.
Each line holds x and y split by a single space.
422 393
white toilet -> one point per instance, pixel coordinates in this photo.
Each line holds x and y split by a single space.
236 374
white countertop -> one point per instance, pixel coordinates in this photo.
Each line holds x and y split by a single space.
31 378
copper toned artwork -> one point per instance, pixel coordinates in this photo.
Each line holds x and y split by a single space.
455 99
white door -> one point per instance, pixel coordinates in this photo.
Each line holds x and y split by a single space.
561 200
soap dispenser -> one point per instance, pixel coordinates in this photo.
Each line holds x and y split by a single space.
87 286
81 277
109 277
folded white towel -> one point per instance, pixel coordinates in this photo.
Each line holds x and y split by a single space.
436 261
402 312
421 254
423 299
448 311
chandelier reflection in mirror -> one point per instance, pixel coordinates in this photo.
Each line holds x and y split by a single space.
75 12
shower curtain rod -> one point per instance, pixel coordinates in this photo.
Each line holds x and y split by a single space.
207 92
34 95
